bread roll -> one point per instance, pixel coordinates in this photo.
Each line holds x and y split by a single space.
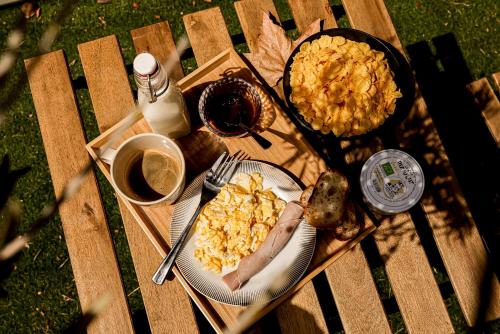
306 194
326 205
349 226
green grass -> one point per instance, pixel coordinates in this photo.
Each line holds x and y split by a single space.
41 290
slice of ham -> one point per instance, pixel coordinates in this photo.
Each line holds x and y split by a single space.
272 245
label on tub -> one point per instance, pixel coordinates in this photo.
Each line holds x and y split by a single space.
392 181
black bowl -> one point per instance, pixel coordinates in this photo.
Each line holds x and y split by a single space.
403 76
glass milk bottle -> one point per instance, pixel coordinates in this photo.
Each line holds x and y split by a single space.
163 104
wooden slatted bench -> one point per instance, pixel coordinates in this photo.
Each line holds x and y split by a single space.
349 279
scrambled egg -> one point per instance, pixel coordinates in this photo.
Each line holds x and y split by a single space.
236 222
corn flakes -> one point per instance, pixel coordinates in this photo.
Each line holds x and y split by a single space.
342 86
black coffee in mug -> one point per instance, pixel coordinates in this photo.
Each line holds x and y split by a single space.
151 175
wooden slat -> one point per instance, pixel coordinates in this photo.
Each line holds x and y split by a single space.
488 103
411 277
305 12
464 257
496 80
302 313
157 39
162 303
250 15
340 275
461 248
90 246
372 17
106 77
356 296
289 312
208 34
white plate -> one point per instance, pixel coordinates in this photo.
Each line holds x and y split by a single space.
289 265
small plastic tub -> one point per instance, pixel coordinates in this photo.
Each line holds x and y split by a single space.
391 181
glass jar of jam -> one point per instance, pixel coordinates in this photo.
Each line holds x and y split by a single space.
229 105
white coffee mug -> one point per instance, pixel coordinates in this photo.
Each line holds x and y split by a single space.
122 158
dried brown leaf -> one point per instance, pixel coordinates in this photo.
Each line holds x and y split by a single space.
274 47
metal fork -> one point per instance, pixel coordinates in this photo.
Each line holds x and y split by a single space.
217 176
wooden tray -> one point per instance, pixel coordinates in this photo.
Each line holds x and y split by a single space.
201 148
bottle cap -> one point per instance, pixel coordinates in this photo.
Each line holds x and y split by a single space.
145 64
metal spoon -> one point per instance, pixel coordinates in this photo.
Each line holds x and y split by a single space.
263 142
